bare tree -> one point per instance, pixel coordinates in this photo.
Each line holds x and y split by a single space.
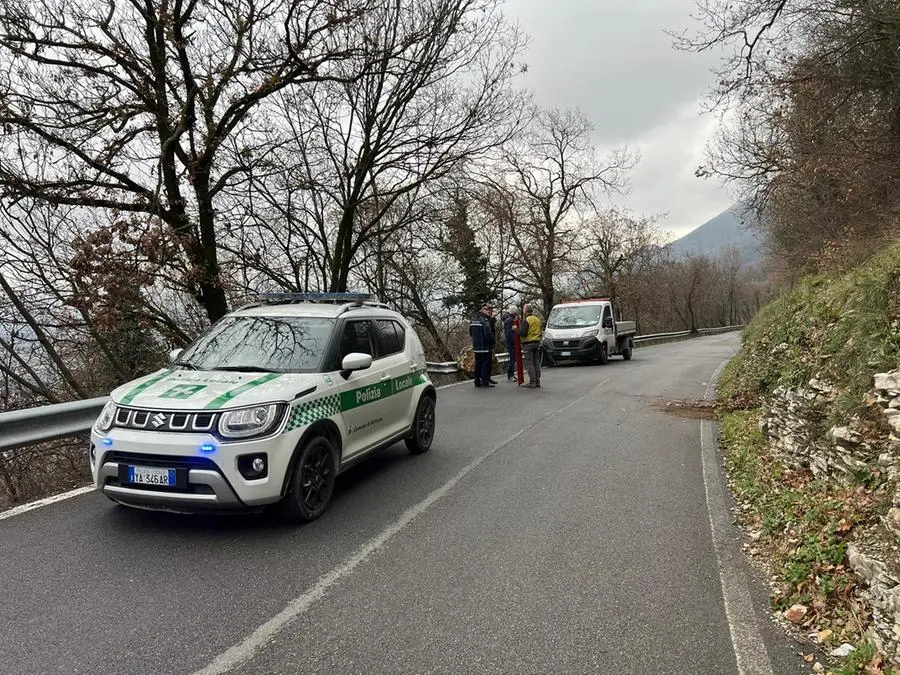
689 283
435 93
552 179
106 298
813 139
152 107
618 245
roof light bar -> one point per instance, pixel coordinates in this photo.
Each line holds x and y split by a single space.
318 297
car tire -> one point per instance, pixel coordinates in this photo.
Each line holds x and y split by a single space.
311 485
604 354
419 441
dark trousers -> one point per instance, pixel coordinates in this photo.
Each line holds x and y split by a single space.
511 367
482 367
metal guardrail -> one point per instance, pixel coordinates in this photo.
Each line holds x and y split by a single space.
20 428
659 336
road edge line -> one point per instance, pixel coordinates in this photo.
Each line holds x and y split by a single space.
46 501
750 650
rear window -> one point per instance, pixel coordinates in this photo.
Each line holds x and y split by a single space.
391 336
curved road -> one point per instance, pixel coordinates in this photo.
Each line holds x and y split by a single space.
560 530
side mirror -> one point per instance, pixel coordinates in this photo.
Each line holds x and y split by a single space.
174 354
608 322
355 361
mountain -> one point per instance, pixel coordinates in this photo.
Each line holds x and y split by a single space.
731 228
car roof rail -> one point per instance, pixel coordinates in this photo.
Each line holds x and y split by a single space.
348 300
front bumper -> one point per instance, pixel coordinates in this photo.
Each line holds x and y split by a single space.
572 349
205 481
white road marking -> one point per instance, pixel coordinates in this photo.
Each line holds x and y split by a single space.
244 651
15 511
749 648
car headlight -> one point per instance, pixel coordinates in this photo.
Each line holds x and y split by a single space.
590 333
107 417
248 422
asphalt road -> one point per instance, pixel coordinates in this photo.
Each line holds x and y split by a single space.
560 530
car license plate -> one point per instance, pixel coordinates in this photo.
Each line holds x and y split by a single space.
567 353
149 476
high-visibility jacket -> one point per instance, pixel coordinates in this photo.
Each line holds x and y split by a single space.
530 329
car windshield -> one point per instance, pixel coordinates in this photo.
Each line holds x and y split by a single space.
574 316
282 344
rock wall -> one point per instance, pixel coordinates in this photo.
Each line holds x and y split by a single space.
794 425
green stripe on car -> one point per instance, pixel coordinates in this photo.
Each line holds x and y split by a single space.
130 396
308 412
230 395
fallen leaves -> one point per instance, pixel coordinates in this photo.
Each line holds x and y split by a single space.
796 613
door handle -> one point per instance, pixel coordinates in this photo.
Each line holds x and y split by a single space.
385 377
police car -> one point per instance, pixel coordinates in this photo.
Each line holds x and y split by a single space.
267 406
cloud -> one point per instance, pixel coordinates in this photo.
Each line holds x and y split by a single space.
664 181
614 61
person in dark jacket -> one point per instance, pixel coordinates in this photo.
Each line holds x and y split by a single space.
509 333
482 344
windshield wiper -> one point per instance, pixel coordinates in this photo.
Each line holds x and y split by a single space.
247 369
186 364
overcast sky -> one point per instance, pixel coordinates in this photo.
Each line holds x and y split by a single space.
613 60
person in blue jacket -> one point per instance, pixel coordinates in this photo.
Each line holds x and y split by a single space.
482 345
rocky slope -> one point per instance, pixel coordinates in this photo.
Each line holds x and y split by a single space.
812 429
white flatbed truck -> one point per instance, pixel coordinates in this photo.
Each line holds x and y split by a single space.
586 331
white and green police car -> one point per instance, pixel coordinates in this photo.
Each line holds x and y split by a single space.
267 406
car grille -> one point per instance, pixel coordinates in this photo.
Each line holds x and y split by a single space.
160 420
566 343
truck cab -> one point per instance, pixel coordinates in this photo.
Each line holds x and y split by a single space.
586 331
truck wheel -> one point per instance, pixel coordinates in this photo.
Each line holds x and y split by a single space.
312 482
626 353
423 427
604 354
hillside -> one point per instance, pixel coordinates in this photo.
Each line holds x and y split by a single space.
731 228
811 427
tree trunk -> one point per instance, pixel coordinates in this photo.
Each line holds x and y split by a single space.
205 258
42 337
547 297
690 308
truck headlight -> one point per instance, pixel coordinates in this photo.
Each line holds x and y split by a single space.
247 422
590 333
107 417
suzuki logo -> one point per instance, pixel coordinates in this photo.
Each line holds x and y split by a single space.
158 420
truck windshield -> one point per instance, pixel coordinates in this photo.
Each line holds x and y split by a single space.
280 344
574 316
